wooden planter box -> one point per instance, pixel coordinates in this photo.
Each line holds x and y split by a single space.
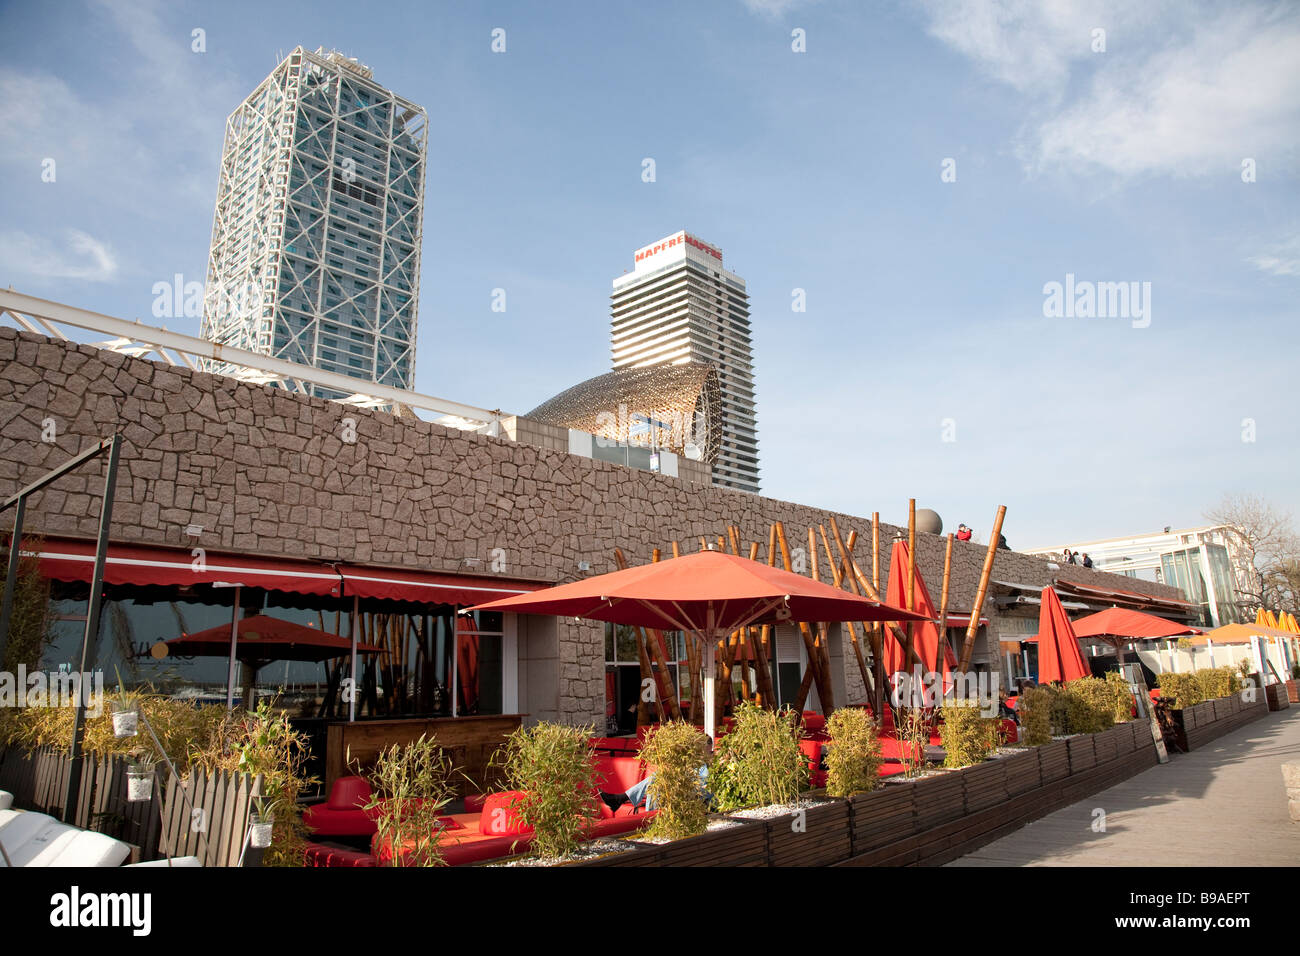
882 816
1054 761
939 799
1023 773
1083 754
985 784
1278 698
1293 691
1126 740
742 845
817 836
1106 745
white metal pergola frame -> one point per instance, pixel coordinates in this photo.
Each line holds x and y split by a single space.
136 339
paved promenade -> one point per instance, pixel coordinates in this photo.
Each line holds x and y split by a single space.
1222 805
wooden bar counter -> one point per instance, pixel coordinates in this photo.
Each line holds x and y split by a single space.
469 741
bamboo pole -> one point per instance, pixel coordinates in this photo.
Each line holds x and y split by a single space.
805 631
839 583
693 659
943 607
651 648
911 557
898 633
973 628
877 632
828 702
762 657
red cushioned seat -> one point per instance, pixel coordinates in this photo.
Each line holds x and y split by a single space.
812 749
1010 733
318 855
342 814
498 818
618 774
349 793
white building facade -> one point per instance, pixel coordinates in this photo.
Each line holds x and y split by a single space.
1206 563
678 305
315 255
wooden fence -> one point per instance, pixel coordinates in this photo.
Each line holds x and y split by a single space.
211 824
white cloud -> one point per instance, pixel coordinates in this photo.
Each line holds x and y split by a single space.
145 151
81 256
1282 259
774 9
1232 92
1178 92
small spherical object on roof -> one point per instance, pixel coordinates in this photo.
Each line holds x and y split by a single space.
928 521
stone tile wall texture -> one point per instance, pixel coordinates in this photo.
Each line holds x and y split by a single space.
263 470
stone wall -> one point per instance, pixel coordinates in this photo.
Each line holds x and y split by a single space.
266 471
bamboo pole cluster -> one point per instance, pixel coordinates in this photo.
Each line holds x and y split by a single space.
744 659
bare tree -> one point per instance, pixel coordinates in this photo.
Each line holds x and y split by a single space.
1267 536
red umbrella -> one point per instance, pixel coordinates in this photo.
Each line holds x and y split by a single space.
467 663
1115 624
1058 647
925 635
262 638
708 595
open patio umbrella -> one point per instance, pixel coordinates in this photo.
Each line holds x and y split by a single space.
707 595
925 635
1117 626
1058 647
261 640
264 639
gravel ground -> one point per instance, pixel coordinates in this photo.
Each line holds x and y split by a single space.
587 851
714 824
778 810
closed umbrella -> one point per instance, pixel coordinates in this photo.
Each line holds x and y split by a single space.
1058 646
925 635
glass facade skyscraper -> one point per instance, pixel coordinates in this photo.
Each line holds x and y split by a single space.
315 255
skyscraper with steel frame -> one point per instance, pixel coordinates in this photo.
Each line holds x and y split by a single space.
315 253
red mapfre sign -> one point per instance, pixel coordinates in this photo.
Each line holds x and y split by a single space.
682 238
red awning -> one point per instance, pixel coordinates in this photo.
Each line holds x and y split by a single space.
963 620
429 587
147 565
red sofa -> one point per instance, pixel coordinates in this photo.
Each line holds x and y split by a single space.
494 830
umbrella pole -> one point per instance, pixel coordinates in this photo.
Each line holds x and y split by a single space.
710 670
234 642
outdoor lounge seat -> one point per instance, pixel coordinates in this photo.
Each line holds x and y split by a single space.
182 861
6 799
35 839
342 814
496 831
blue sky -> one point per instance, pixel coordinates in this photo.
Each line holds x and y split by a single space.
818 170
